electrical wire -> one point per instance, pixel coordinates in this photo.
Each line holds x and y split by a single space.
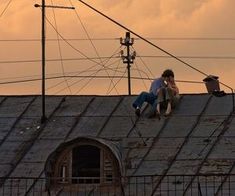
152 44
101 69
88 36
59 47
4 10
97 71
74 48
136 38
190 57
140 74
54 60
87 76
105 57
81 72
145 65
114 87
72 45
52 74
107 67
115 72
81 53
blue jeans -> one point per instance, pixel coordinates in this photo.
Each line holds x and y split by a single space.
144 97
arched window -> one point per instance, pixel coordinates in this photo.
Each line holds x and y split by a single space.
83 162
86 164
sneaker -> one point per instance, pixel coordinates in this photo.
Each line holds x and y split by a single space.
137 111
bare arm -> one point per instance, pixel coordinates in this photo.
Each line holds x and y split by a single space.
171 84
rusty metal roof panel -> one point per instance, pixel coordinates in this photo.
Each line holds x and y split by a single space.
73 106
30 169
102 106
5 126
117 127
4 168
147 127
221 166
195 148
14 106
125 108
25 129
57 128
2 98
220 105
88 126
151 168
178 126
51 103
208 126
191 105
9 151
164 149
187 167
224 149
40 151
231 129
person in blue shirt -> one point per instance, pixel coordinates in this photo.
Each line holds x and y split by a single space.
150 97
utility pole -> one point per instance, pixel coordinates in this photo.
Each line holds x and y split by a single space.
43 6
128 58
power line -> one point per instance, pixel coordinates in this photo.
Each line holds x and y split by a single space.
107 57
152 44
90 76
55 60
53 40
93 45
115 72
106 67
140 74
4 10
189 57
191 38
59 46
94 74
81 53
114 86
56 74
117 39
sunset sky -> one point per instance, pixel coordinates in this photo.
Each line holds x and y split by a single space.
200 32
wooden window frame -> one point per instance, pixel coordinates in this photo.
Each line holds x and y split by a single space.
65 159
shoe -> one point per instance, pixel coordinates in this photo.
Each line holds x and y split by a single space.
137 111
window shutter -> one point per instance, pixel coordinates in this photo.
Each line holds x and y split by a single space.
108 169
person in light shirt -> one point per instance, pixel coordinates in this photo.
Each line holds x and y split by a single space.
168 95
155 90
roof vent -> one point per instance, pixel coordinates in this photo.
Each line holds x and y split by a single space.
212 83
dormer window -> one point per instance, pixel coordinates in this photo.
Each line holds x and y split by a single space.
82 164
86 164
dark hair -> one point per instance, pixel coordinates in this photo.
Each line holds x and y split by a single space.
168 73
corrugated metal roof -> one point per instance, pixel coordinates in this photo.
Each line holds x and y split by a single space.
197 138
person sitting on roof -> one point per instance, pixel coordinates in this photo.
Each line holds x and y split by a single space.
168 96
151 96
